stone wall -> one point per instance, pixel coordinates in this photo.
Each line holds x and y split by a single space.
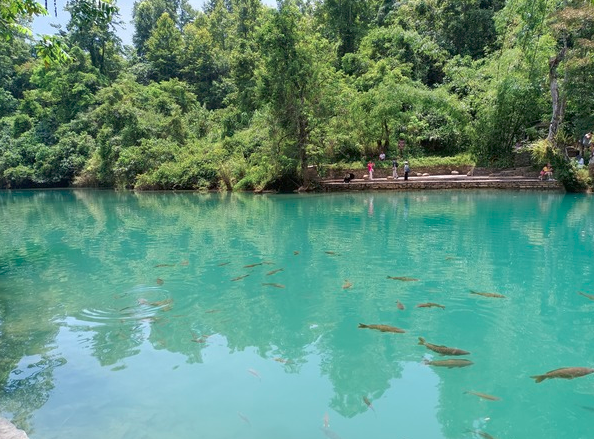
334 174
338 174
390 185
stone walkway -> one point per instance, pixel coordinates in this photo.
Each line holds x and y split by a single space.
433 182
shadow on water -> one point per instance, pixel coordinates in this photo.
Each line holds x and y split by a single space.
187 274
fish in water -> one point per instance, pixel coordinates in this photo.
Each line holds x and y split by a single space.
481 434
164 265
346 285
589 296
456 362
244 418
443 350
567 373
270 273
430 305
368 402
160 281
273 285
295 252
400 305
383 328
200 339
483 395
330 253
255 373
223 264
253 265
160 303
326 420
499 296
403 278
239 277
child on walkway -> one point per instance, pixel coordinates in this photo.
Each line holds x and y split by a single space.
370 166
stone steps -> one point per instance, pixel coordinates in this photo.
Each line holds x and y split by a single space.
443 182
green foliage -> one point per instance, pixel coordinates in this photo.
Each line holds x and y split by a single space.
419 56
293 66
163 48
52 50
345 22
565 170
22 123
429 121
61 162
65 90
464 27
504 120
201 65
11 11
138 160
19 176
7 103
245 96
193 168
464 159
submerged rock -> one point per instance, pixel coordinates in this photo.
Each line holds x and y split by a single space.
9 431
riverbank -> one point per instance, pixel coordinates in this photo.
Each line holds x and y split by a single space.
439 182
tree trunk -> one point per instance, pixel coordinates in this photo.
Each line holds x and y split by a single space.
303 135
557 100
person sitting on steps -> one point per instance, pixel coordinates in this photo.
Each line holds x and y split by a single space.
547 172
348 177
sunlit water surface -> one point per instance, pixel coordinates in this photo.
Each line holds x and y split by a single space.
160 315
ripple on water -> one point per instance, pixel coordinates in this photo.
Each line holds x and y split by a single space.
138 303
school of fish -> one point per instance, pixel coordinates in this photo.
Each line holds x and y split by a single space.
561 373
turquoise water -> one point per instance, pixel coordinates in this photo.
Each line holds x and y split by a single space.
128 315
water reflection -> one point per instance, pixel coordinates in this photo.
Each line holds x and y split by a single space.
144 285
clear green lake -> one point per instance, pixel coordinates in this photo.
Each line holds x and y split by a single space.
230 316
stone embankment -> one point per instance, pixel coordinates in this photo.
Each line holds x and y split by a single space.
435 182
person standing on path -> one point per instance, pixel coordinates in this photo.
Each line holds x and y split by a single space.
406 170
586 142
395 169
370 166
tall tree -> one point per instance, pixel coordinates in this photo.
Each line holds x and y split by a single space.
94 31
198 63
245 57
573 27
146 13
164 48
294 58
49 48
346 21
219 22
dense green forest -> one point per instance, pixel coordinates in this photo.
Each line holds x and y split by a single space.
243 96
